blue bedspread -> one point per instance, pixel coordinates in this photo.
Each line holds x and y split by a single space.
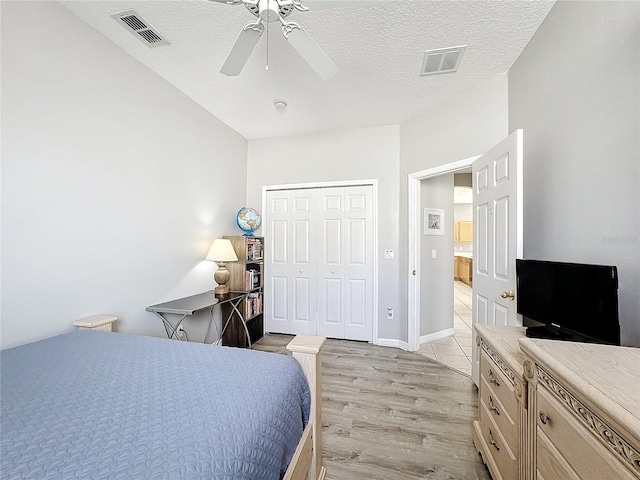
95 405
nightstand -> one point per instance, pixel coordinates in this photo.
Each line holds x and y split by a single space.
101 323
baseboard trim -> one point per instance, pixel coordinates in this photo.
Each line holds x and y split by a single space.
448 332
391 342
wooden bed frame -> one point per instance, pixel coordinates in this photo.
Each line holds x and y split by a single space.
306 463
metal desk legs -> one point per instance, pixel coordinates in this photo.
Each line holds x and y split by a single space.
172 331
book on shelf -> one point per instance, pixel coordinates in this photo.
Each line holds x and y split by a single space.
254 249
253 279
253 305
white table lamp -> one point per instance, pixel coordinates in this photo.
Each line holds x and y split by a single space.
221 251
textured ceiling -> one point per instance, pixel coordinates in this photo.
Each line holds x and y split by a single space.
377 45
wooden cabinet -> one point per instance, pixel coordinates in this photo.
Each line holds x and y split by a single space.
456 262
246 276
584 410
463 232
558 410
501 429
464 269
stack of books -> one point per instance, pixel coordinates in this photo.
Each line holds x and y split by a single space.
254 249
253 305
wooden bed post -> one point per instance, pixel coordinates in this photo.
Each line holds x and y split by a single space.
306 350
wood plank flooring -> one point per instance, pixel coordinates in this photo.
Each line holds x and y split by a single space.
391 414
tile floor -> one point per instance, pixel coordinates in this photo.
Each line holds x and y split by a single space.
455 351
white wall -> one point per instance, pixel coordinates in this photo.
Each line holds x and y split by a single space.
359 154
113 182
436 285
575 90
462 128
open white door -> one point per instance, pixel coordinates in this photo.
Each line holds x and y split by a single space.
497 221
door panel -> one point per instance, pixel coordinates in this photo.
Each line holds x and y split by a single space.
357 302
279 308
276 287
497 196
302 266
358 268
330 262
290 263
321 261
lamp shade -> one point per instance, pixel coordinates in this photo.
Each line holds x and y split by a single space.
221 251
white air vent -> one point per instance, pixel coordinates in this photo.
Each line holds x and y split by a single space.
139 27
443 60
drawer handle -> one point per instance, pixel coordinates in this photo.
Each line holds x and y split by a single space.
492 379
543 418
492 407
492 442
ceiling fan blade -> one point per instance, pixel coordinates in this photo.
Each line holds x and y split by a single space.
312 53
240 52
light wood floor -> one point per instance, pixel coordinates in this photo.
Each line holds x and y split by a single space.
391 414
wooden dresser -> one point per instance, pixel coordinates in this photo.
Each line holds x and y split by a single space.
584 410
500 433
553 410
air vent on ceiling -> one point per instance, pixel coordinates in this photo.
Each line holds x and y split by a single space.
139 27
443 60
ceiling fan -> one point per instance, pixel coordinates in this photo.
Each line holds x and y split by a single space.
271 11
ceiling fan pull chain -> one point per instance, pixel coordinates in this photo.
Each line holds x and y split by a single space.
268 21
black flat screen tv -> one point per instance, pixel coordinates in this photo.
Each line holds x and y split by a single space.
568 301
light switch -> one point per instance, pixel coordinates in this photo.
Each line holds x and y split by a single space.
433 254
389 254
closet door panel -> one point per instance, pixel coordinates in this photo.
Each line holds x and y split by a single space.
358 265
276 289
321 262
302 265
330 234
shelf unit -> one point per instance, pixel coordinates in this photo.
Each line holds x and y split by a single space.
247 275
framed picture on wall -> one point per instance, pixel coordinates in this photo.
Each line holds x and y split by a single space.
433 223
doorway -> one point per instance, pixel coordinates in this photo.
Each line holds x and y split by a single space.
414 235
497 225
444 299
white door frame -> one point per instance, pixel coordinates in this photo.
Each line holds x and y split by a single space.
346 183
414 221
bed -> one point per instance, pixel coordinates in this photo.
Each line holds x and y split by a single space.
97 405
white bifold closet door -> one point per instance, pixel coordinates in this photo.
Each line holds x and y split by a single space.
319 262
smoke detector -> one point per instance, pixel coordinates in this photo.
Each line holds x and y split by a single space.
280 104
443 60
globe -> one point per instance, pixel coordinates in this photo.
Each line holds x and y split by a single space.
248 220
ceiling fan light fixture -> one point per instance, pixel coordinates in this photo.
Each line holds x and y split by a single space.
280 104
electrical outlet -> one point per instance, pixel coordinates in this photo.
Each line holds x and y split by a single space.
181 331
390 313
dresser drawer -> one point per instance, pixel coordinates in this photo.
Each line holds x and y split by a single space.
497 446
577 446
550 464
501 388
500 414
